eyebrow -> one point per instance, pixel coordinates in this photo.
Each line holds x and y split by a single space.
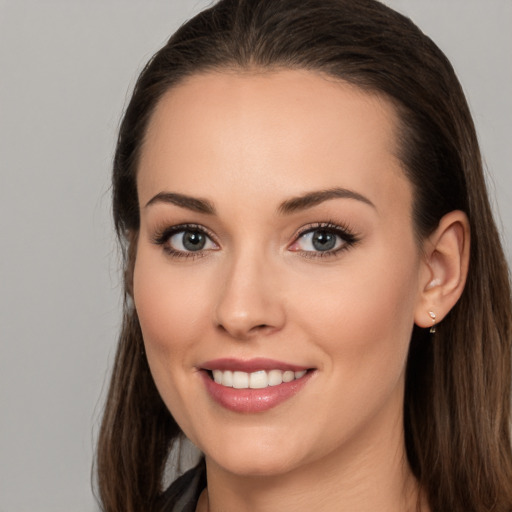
314 198
287 207
191 203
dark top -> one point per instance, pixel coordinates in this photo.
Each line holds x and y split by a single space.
183 494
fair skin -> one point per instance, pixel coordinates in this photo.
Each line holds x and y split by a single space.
257 284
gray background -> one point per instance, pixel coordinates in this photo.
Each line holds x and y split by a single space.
66 67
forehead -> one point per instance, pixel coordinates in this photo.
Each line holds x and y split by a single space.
275 132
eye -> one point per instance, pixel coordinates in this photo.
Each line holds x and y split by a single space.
185 241
189 240
327 239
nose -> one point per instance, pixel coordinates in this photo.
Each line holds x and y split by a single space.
250 299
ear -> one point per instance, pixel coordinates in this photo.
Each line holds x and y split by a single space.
444 269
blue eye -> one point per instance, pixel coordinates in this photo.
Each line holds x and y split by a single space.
320 240
189 240
185 241
323 240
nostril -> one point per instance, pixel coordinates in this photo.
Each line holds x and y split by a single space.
261 328
242 332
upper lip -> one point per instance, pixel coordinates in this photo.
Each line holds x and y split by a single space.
250 365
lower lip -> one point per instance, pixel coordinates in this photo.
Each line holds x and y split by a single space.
253 400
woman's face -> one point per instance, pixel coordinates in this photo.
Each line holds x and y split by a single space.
276 237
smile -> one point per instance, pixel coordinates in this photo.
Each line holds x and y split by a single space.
256 380
255 385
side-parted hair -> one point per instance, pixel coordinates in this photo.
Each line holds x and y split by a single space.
457 397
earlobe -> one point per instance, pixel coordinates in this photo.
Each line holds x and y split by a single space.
445 268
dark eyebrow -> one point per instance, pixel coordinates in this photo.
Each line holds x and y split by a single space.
314 198
184 201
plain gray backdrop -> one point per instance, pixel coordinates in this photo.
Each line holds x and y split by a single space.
66 69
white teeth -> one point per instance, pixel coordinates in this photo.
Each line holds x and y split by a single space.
258 380
288 376
255 380
240 380
227 379
275 377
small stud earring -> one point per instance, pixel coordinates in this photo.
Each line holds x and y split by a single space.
433 316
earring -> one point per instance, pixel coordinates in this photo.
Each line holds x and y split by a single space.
433 316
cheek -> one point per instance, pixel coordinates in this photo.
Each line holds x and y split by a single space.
361 319
167 301
364 314
172 312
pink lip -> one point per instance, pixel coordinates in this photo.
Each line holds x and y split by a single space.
252 400
250 365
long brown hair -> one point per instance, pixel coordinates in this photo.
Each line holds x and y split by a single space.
457 399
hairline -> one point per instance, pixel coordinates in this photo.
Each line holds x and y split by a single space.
398 108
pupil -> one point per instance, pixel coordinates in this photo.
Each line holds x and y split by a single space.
323 240
193 240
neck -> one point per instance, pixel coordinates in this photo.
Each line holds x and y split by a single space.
369 473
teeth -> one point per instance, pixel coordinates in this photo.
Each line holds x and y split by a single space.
227 379
240 380
275 377
288 376
256 380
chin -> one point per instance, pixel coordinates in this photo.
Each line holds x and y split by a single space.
255 467
254 459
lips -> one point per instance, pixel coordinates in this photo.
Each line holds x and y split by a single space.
250 365
254 385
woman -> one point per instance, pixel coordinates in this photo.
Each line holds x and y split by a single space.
316 295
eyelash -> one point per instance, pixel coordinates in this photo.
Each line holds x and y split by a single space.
349 239
162 237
